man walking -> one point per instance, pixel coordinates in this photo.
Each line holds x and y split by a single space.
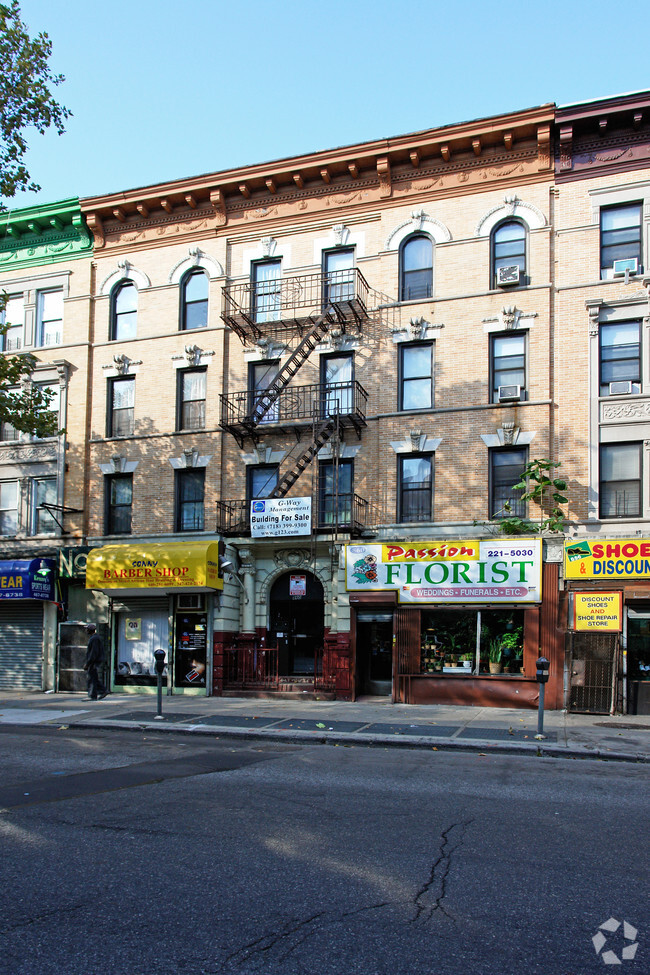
94 660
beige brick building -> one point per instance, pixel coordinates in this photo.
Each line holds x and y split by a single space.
371 343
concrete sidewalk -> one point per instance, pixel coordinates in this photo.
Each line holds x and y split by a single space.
370 721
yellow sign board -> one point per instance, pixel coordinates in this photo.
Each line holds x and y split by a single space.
616 558
190 566
598 611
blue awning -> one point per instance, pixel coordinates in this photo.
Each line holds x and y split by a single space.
27 579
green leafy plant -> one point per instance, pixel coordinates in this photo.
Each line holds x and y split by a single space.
495 650
538 485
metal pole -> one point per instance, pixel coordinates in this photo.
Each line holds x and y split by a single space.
159 713
540 713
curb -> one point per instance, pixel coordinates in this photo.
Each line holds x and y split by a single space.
534 749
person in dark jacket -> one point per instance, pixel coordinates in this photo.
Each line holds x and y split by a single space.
94 660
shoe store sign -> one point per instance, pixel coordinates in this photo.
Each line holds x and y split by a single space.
616 558
474 571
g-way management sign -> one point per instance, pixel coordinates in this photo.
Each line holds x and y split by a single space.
280 516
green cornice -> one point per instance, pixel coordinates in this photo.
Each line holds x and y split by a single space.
47 234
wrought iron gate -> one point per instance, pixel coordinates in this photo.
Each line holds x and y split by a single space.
594 667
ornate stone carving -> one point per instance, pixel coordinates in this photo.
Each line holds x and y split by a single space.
341 234
122 363
269 245
193 355
626 411
417 328
418 217
383 172
416 440
508 433
291 558
510 316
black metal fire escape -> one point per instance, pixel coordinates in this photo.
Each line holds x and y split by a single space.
345 305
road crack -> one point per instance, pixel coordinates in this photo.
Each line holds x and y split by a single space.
431 895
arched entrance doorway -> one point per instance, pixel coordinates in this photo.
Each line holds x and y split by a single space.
296 622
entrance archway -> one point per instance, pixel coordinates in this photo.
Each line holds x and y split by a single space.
296 622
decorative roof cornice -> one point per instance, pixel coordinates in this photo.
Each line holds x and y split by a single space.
45 234
492 150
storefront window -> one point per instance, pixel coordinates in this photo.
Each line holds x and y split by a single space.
466 642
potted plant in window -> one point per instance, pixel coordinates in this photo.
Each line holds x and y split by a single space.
495 654
466 660
512 648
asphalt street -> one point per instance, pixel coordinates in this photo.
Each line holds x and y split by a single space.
126 853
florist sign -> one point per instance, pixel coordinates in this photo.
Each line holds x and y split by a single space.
494 571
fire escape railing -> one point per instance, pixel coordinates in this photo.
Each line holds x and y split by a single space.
346 513
294 404
258 309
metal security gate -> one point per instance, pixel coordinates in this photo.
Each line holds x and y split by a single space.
594 665
21 645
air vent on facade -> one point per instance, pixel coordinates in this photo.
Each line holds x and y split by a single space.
629 264
505 393
508 275
190 600
620 388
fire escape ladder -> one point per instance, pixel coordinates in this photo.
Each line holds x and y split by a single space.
300 354
304 458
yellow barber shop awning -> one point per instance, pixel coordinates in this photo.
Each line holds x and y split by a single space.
155 568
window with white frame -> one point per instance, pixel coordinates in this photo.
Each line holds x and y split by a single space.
49 317
191 399
620 480
12 318
43 496
620 358
8 507
121 407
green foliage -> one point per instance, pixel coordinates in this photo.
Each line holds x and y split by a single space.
23 404
26 100
538 485
495 650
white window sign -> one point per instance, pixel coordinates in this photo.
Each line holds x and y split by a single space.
274 517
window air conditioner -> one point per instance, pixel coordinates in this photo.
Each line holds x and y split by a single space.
190 600
629 264
505 393
508 275
620 388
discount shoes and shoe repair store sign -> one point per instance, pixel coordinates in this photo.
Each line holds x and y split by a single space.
612 560
495 571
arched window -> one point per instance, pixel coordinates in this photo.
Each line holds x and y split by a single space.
124 311
194 300
508 253
416 268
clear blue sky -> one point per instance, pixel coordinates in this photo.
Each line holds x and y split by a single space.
162 89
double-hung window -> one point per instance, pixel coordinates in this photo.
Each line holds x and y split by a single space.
194 300
43 494
620 238
8 507
262 480
13 319
118 504
620 358
191 399
620 480
338 270
124 311
260 377
190 500
49 317
416 376
416 268
335 498
506 469
415 488
508 254
508 366
337 381
121 407
267 291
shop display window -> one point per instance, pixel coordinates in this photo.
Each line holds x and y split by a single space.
467 642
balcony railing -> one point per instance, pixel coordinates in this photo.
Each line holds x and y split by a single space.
254 309
347 513
240 412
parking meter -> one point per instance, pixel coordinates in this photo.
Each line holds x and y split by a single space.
542 665
160 666
541 675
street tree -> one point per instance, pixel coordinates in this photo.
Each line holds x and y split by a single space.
26 102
